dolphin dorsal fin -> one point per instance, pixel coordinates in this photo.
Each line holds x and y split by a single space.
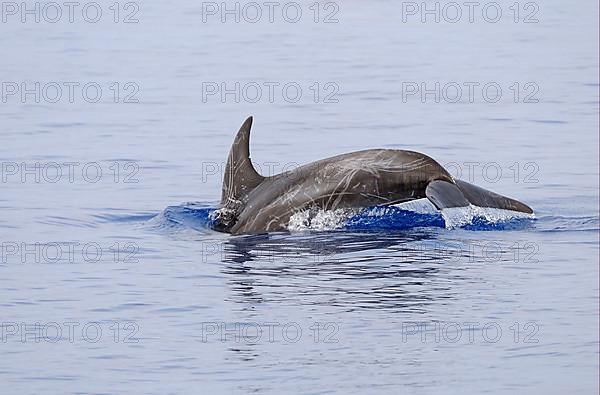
240 176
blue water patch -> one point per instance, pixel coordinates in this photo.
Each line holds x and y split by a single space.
393 218
189 216
482 223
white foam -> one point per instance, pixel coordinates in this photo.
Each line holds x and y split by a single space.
420 206
222 212
457 217
318 219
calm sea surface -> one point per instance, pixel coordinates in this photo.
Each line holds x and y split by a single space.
113 140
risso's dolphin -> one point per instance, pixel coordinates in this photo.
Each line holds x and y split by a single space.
251 203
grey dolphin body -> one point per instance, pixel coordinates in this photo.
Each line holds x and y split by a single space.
251 203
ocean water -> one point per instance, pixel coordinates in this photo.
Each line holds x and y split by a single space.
116 120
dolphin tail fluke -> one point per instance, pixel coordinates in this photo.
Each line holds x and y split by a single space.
240 176
484 198
444 194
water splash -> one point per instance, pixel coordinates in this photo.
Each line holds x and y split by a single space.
480 218
415 214
188 215
393 218
321 220
411 215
